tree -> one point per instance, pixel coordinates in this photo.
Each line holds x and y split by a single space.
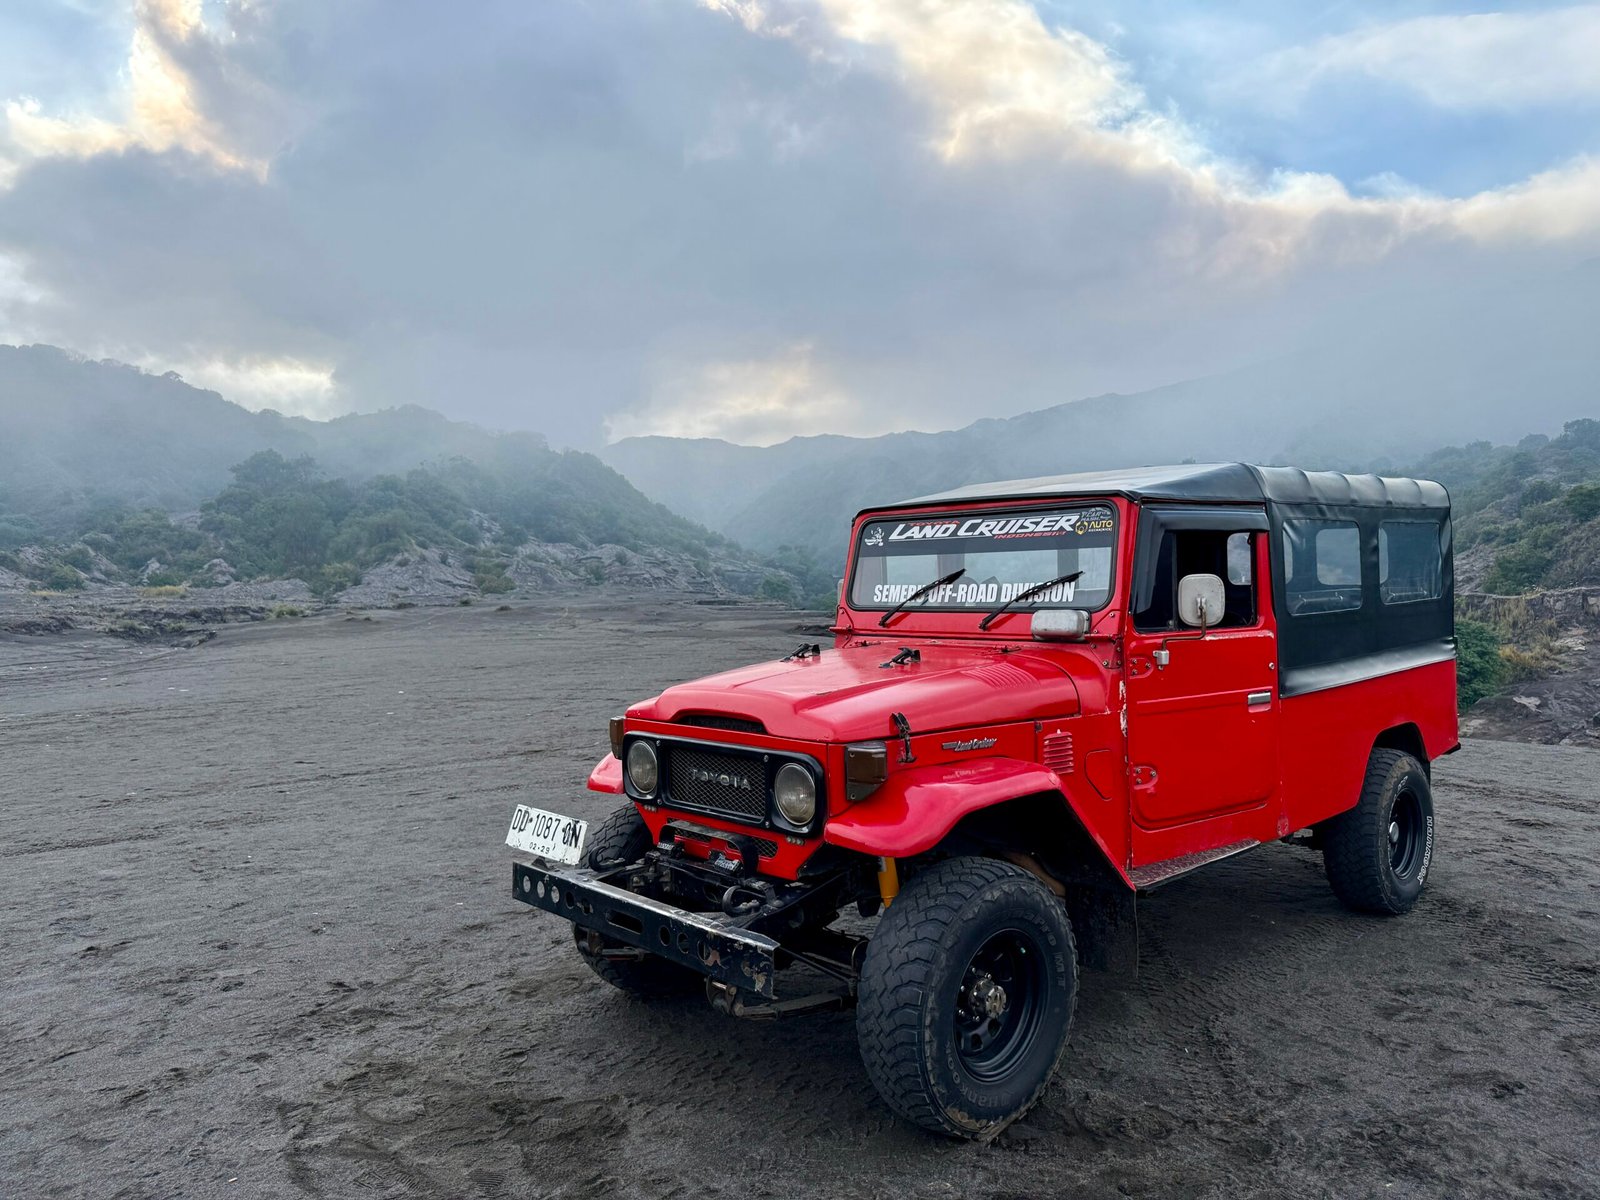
1584 501
1479 668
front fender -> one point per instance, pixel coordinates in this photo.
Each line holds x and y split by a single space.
916 809
607 776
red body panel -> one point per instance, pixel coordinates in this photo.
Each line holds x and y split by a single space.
607 776
847 695
1327 735
918 807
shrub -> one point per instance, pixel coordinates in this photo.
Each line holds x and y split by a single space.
58 577
1518 570
776 587
493 584
1518 664
1479 668
281 611
78 556
1537 491
1584 501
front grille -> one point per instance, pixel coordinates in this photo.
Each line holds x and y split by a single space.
720 721
730 785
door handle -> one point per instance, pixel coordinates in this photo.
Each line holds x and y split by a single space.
1255 698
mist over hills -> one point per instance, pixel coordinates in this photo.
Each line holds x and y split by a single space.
75 432
1489 366
97 457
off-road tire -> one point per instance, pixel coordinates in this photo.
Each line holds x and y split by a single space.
912 989
623 838
1377 854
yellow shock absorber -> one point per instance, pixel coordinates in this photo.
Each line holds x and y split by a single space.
888 880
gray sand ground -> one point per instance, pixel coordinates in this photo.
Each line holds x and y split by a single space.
259 941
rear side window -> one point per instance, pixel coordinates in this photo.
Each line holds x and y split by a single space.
1410 562
1322 566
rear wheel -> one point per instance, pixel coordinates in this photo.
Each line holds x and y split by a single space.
967 995
1377 855
623 838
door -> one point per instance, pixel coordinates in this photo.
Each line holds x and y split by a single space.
1202 706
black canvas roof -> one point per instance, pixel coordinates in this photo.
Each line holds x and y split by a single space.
1209 482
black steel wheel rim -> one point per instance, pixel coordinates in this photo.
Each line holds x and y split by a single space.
1405 834
1000 1005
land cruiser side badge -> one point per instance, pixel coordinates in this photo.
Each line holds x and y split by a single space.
969 744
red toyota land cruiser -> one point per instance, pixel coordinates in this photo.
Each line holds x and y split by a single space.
1043 698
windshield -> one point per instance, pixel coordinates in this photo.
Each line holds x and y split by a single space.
1003 553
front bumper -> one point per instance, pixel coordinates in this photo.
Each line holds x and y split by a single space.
714 945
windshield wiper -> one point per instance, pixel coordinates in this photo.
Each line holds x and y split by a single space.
1029 593
920 593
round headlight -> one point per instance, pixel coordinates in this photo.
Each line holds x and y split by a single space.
643 770
795 793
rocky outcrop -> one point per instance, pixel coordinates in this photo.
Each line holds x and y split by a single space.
1563 608
1561 709
421 577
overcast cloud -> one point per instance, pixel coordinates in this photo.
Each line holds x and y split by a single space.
756 219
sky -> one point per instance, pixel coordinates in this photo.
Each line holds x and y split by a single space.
754 219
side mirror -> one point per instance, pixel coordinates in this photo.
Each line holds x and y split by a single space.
1200 601
1060 624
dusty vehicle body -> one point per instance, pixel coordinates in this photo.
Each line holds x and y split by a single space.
1187 663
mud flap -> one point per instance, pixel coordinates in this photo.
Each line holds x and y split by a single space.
1105 922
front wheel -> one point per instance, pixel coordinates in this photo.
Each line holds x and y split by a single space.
967 995
1377 854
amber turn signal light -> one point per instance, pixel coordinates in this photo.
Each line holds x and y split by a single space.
866 765
616 736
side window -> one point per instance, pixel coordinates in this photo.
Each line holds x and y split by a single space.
1322 566
1202 552
1241 568
1410 563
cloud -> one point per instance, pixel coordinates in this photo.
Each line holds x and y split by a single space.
1003 84
1468 62
169 49
747 218
753 401
286 385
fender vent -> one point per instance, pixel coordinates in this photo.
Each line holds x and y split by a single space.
1058 753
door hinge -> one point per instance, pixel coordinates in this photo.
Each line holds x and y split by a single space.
1143 776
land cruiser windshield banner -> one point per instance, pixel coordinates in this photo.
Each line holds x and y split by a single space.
1003 553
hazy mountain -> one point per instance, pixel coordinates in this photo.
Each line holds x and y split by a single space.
80 440
1487 366
74 432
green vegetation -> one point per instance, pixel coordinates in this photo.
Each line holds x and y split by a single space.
815 586
1533 509
1479 668
284 518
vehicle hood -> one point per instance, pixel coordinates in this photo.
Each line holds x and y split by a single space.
847 694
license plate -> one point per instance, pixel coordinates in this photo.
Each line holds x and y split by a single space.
547 835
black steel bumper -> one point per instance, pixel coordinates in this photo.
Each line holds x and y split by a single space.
713 945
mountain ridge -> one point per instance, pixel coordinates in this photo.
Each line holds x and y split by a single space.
1483 367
